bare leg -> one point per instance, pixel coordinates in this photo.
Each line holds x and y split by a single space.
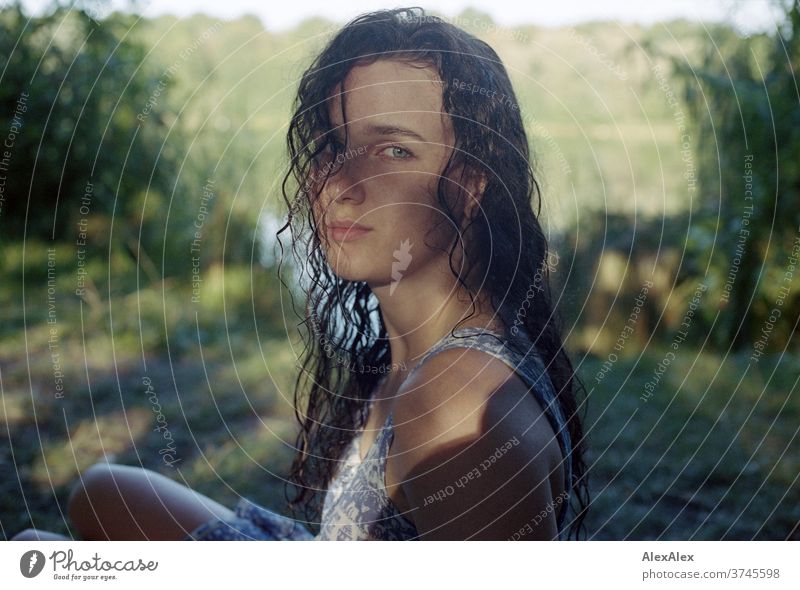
38 535
118 502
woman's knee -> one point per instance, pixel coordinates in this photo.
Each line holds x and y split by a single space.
112 501
95 495
92 483
79 504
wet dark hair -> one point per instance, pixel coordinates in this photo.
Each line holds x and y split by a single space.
505 242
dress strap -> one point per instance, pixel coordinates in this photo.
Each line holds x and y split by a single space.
461 335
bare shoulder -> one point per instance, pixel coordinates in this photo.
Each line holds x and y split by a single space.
467 389
466 423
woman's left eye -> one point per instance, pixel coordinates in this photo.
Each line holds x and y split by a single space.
395 151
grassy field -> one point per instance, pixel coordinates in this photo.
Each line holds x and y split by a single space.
200 392
710 455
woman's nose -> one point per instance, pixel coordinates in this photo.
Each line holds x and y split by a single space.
343 185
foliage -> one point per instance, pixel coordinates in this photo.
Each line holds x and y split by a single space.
743 102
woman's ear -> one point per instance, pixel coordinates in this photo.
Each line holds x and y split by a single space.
475 186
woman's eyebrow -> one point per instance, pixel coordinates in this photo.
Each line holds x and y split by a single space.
394 130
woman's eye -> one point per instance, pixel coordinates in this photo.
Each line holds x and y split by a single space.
395 151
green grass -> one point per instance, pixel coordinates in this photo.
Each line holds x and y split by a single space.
706 457
225 397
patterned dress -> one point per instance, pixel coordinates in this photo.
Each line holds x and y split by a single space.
356 505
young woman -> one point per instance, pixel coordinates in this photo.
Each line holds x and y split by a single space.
438 401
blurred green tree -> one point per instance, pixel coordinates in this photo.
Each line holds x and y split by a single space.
72 89
743 103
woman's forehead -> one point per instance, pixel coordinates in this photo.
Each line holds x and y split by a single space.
391 90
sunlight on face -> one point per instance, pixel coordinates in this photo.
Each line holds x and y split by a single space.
398 141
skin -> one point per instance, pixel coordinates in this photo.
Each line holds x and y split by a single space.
119 502
462 404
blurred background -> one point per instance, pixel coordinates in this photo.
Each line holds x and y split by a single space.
142 319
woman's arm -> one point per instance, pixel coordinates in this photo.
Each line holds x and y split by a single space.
477 457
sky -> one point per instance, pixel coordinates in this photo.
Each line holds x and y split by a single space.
746 15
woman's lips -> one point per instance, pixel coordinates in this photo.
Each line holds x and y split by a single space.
347 234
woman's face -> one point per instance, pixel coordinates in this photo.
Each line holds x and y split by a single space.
398 141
